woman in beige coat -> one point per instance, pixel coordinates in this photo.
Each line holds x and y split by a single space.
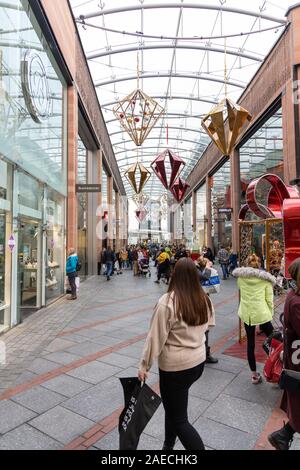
177 338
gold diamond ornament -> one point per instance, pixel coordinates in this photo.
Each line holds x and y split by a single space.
138 176
140 199
224 124
138 114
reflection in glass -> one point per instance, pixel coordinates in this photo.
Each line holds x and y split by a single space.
54 246
82 199
263 153
221 208
201 217
32 94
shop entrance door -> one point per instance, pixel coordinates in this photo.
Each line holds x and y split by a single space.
29 268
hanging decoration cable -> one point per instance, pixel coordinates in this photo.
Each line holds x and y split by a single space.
224 123
138 113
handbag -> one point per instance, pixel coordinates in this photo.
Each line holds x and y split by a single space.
141 402
289 379
273 366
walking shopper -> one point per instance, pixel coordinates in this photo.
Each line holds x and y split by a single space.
71 270
163 266
256 305
205 272
177 338
130 259
124 258
135 258
223 256
109 259
290 403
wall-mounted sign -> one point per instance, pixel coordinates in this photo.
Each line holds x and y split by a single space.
88 188
35 86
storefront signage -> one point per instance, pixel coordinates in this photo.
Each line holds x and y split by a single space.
35 86
88 188
11 243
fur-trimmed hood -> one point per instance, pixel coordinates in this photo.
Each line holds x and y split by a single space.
252 272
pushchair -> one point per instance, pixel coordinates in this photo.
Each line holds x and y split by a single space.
144 269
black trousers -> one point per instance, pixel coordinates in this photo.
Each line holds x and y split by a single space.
72 277
174 390
267 328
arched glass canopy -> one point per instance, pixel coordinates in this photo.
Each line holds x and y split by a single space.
180 50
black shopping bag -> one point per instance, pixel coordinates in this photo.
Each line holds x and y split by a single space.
140 405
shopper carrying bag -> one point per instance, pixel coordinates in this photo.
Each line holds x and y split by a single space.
141 402
177 338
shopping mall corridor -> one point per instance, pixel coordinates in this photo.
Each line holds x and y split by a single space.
60 387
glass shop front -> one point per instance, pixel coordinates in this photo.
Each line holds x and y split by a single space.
221 208
32 167
262 154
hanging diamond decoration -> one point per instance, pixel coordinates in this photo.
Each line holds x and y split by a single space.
167 167
140 199
138 114
141 214
224 124
137 175
179 189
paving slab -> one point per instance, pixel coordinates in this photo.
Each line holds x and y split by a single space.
61 424
86 348
240 414
221 437
62 357
58 344
264 393
66 385
27 438
38 399
99 401
94 372
211 384
42 366
119 360
13 415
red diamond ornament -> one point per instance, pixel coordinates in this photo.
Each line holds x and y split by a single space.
179 189
141 214
167 167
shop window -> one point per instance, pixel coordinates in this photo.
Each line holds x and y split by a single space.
33 98
82 199
221 207
262 153
55 246
201 217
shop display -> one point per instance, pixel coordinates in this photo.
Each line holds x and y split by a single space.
275 237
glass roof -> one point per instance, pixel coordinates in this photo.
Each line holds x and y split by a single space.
179 47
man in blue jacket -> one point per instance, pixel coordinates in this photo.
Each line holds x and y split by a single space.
71 270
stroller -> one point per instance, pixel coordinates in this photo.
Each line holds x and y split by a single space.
144 269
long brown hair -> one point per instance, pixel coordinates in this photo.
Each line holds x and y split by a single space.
294 271
190 301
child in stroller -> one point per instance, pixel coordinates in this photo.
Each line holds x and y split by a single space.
144 269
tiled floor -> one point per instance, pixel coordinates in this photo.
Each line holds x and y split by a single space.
60 386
